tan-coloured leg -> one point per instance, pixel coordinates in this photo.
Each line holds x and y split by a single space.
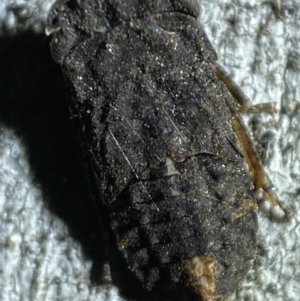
260 178
242 100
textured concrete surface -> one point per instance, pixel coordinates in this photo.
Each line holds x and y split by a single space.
49 244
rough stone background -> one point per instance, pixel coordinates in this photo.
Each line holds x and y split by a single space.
49 243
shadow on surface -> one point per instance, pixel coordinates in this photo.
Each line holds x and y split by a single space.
33 104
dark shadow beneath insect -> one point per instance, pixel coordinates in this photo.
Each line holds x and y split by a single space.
33 104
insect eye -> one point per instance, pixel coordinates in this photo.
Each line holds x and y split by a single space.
189 6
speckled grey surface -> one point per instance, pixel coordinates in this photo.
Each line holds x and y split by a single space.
40 256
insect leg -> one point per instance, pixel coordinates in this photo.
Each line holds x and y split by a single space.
242 101
259 176
243 104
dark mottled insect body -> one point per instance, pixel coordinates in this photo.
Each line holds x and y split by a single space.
164 153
